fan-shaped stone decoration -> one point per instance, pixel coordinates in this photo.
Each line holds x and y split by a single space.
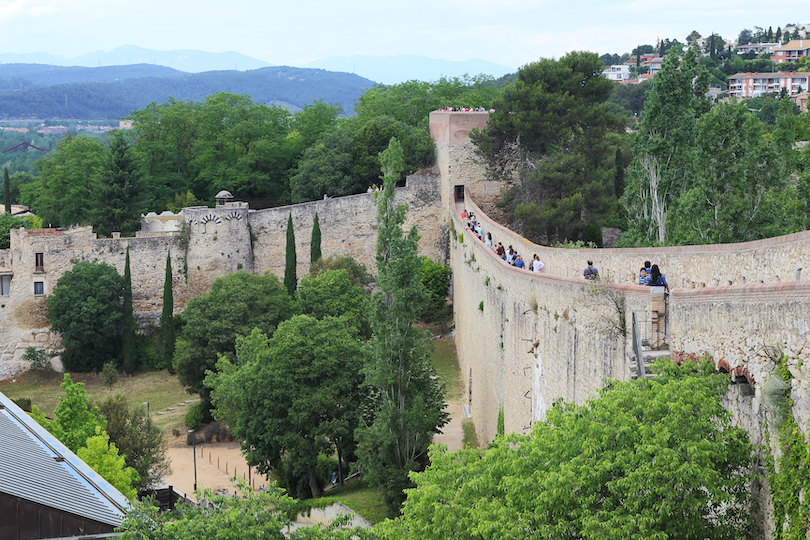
233 214
211 217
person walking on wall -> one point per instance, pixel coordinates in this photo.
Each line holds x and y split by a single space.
537 264
590 272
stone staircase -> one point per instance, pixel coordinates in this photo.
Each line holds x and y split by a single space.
649 357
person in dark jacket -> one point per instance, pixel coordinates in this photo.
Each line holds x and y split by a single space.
590 272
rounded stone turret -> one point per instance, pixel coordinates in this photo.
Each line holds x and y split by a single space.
224 197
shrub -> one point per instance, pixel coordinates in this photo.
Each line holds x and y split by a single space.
109 375
24 403
39 359
194 416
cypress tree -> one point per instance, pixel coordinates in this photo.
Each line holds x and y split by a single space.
167 317
290 279
128 322
315 244
7 192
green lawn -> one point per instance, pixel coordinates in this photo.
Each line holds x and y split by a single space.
446 364
159 388
361 498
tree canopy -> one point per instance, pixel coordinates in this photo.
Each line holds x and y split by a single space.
236 304
331 294
551 127
407 402
293 397
651 458
85 308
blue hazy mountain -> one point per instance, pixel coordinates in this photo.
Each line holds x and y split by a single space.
400 68
187 60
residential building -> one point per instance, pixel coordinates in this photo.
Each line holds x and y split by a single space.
619 73
747 85
793 51
756 48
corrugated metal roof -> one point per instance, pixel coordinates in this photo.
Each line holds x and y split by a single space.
29 469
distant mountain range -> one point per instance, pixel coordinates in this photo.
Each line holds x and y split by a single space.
400 68
184 60
381 69
52 92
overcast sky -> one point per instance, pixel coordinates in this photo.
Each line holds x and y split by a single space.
508 32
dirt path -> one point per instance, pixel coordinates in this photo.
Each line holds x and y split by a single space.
213 460
452 434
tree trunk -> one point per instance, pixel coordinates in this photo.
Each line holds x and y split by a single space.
340 467
313 483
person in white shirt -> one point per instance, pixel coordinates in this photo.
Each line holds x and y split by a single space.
537 264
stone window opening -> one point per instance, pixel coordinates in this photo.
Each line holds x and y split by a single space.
39 263
39 288
5 285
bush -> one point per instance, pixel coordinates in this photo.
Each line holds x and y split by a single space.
592 234
194 416
24 403
109 375
324 469
40 361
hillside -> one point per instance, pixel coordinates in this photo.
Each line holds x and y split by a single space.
50 92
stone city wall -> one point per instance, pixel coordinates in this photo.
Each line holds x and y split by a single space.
762 261
744 328
348 226
501 312
216 241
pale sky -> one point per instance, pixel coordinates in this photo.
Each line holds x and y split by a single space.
507 32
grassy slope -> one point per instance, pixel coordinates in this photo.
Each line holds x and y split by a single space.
159 388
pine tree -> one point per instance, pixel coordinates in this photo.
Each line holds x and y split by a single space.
167 317
315 244
290 278
128 322
7 192
408 405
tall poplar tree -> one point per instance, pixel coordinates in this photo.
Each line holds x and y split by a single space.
128 322
407 408
315 243
7 192
167 317
290 278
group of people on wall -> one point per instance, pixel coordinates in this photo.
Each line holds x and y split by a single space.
649 275
510 255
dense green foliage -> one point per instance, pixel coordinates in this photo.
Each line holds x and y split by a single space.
167 333
236 304
315 241
138 439
332 294
85 308
80 427
74 419
651 458
128 324
703 174
435 278
8 222
407 403
293 397
358 275
121 190
247 516
290 260
102 456
552 128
